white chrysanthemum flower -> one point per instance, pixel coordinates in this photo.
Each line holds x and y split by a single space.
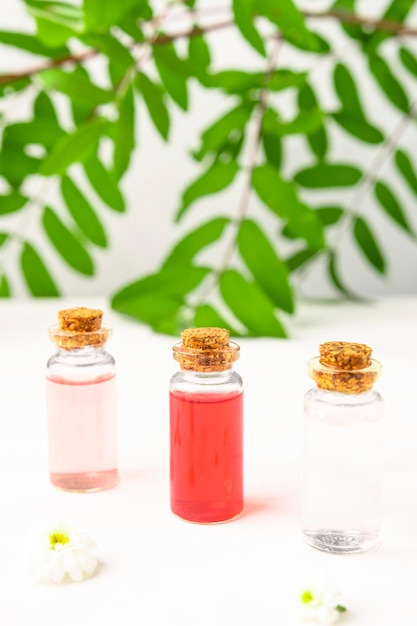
60 553
320 605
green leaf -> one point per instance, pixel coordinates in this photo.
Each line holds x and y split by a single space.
244 13
158 298
39 131
173 72
199 57
323 175
123 133
317 139
406 168
397 11
290 22
300 258
12 202
347 92
83 213
10 87
31 44
230 126
391 205
185 251
306 122
102 14
119 57
3 238
43 108
239 82
215 179
368 244
272 146
15 165
329 215
335 278
318 142
104 184
36 274
409 61
75 147
206 316
5 291
250 305
269 272
131 22
66 244
352 30
81 111
388 83
153 97
358 127
56 21
281 197
77 86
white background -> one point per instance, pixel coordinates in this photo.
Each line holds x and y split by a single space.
141 238
157 570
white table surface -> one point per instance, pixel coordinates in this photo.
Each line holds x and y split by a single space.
159 570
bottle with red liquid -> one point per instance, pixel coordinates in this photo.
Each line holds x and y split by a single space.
206 428
81 404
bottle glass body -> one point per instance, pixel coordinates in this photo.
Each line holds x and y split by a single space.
82 425
206 445
342 470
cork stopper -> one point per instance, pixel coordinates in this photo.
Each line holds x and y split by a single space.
79 327
206 350
344 367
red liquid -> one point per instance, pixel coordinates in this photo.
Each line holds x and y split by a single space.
206 469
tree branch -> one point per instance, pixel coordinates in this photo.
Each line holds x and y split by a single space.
244 203
396 28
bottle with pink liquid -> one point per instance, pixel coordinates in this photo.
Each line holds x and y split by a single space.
206 428
81 404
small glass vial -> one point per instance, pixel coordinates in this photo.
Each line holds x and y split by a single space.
206 428
343 430
81 404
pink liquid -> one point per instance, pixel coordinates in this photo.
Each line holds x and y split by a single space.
206 469
82 433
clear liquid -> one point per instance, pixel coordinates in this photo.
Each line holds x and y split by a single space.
342 476
206 468
82 434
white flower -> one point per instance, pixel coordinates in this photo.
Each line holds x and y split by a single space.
320 605
60 553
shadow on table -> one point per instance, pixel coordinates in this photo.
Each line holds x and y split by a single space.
254 506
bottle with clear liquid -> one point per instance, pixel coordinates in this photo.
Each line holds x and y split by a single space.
81 404
206 428
342 459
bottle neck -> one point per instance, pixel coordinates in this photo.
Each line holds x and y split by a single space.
337 397
202 378
82 355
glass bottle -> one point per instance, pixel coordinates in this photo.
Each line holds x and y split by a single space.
206 428
343 430
81 404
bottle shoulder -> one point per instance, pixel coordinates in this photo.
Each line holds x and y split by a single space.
328 406
81 364
206 382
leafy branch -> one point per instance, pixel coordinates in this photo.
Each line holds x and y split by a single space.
196 31
277 228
